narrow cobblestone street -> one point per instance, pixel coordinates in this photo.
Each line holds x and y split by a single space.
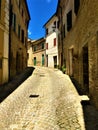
47 100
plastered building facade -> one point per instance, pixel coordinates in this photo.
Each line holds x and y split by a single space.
37 52
52 42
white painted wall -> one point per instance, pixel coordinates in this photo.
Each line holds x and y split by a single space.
52 50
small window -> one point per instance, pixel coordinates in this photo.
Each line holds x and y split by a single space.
0 63
34 48
47 46
43 61
69 20
35 61
54 41
42 45
76 6
47 31
14 21
22 36
55 24
58 23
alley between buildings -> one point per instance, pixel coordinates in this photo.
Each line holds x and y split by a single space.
47 100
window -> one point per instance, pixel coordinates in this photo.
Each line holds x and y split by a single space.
25 42
34 48
55 24
54 41
47 31
22 36
0 63
42 45
58 23
42 59
19 29
14 21
69 20
47 46
34 60
76 6
26 23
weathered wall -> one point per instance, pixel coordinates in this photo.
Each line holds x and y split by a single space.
83 33
4 41
18 53
38 56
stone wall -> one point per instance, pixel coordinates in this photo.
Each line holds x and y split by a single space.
4 41
18 50
84 35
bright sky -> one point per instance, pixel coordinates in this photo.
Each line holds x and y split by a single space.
40 12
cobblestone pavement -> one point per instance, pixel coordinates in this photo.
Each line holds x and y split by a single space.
47 100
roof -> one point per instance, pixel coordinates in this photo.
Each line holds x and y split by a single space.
34 42
49 19
39 40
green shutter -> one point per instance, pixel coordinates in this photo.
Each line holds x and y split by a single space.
42 59
34 61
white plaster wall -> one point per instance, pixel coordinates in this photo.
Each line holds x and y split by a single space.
52 50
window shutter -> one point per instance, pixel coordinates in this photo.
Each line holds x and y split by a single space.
54 41
46 45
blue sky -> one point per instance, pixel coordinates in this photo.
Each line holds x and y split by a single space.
40 12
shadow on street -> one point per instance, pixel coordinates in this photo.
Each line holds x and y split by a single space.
90 116
8 88
89 111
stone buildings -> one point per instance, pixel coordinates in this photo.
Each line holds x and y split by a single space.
52 41
4 40
37 52
14 19
78 43
19 19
